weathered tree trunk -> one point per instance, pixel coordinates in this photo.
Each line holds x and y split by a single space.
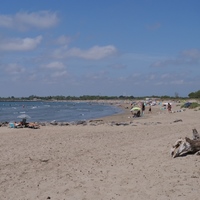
186 145
195 145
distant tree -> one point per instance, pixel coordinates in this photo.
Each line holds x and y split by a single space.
176 95
165 97
194 94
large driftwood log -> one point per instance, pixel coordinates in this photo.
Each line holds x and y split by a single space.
194 145
186 145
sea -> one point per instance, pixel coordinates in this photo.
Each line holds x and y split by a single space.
45 111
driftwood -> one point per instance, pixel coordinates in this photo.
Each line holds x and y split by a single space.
185 145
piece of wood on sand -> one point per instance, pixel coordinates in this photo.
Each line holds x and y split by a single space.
184 146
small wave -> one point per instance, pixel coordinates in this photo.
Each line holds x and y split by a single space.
82 109
34 107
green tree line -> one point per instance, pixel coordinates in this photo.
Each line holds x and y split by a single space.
93 97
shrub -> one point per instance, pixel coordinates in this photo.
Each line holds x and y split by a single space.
191 105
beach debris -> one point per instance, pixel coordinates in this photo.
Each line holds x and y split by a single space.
64 123
184 146
42 123
54 122
43 160
3 124
39 160
122 123
96 120
178 120
119 123
81 122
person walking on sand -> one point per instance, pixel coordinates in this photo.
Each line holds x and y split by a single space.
169 107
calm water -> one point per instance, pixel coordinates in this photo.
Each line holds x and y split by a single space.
59 111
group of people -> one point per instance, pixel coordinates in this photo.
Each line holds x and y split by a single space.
141 110
23 124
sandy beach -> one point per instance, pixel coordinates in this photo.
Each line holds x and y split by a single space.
103 161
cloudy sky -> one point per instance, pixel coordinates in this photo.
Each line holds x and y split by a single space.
99 47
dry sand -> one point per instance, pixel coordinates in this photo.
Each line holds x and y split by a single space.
101 162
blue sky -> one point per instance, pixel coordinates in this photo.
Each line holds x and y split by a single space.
99 47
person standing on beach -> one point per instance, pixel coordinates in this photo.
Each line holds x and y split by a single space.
150 108
143 108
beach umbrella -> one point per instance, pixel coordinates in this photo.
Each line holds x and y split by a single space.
135 108
24 116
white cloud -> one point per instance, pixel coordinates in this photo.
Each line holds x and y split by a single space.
152 77
168 79
6 21
14 68
63 40
177 82
55 65
25 20
166 76
32 77
94 53
118 66
157 64
191 56
19 44
59 74
154 26
165 63
136 75
160 83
